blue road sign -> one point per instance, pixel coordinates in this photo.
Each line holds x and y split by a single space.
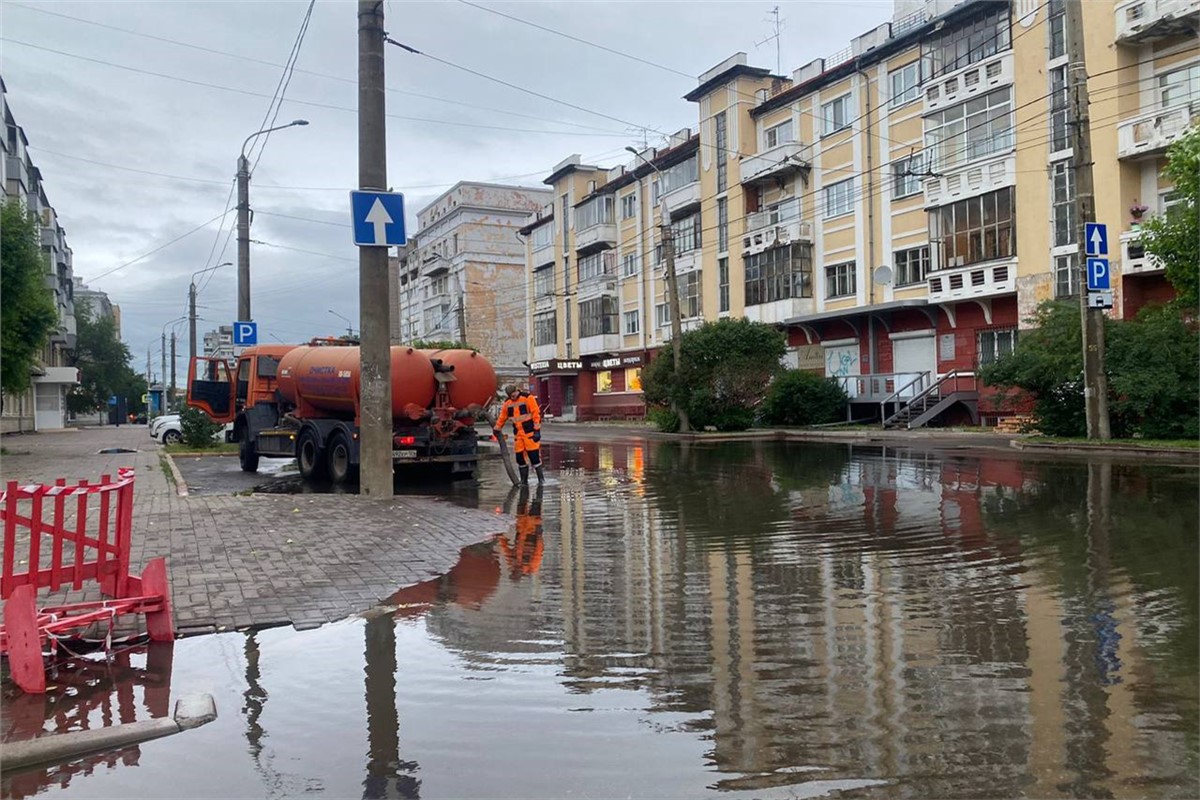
245 333
1098 274
1095 234
378 219
112 399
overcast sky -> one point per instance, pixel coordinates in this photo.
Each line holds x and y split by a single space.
74 109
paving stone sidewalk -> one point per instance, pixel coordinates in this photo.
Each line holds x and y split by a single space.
237 561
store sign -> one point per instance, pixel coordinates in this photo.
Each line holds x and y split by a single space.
616 362
810 357
555 365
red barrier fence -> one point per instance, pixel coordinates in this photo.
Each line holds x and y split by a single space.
102 556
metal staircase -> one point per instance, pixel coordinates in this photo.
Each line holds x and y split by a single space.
930 402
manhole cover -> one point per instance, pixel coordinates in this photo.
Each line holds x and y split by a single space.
109 450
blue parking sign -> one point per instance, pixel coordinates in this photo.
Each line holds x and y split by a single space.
245 333
1098 275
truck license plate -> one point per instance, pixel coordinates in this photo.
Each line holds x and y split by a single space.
404 454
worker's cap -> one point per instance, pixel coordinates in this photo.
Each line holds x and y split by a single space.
510 389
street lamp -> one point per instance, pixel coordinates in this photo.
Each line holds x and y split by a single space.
349 324
164 398
668 242
192 308
243 223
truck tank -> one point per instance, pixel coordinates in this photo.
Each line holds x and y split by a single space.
324 381
474 378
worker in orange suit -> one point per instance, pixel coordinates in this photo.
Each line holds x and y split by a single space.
522 408
524 557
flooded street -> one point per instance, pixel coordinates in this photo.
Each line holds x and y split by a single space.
744 619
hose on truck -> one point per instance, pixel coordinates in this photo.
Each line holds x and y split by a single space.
509 467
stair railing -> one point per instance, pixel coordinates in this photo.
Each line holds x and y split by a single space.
953 375
896 396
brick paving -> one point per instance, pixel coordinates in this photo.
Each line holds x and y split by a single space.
238 561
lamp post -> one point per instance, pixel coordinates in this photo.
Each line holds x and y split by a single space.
163 400
668 242
192 308
349 324
243 223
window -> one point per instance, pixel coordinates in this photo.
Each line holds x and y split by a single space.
440 285
906 84
629 264
566 217
779 134
597 265
1180 86
545 328
969 131
839 198
911 265
676 177
1060 110
567 279
722 285
629 206
1063 177
543 282
1058 28
781 273
662 315
597 211
689 295
970 42
598 317
835 115
976 229
604 382
722 145
839 280
686 235
995 345
1066 275
906 176
633 322
633 379
454 246
722 225
543 236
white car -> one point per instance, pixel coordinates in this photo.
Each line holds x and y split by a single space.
166 429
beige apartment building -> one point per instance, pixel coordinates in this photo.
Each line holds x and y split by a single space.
899 208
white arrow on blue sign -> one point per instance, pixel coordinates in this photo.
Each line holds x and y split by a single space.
245 334
378 219
1098 274
1095 235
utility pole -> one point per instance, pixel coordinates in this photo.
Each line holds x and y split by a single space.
171 404
375 391
243 237
191 323
1095 383
462 311
668 241
162 396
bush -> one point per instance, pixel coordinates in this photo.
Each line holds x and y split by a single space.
798 397
664 419
197 429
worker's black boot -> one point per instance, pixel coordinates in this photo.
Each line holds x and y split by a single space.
525 475
541 475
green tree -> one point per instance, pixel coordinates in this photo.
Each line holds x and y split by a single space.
102 359
1174 238
27 312
799 397
726 367
1151 366
197 429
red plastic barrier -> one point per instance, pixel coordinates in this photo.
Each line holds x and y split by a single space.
102 556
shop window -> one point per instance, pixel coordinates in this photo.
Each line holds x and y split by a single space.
604 382
633 379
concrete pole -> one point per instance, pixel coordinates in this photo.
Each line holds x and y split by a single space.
1095 383
375 423
191 323
462 311
162 396
172 392
243 238
668 237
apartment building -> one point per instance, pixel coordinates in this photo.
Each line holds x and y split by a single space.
218 343
899 208
462 276
44 406
98 302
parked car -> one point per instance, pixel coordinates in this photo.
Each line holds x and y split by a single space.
166 429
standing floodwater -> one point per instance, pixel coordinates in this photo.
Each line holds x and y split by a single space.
760 619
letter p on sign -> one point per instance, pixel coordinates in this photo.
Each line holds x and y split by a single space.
245 333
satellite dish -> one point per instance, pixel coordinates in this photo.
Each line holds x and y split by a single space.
883 275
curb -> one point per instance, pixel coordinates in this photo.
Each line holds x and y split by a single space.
1084 449
181 487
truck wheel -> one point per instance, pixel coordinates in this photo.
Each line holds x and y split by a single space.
246 455
340 468
309 456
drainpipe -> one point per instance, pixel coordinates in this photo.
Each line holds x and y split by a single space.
870 195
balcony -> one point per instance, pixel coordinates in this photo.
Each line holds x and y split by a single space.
597 275
780 311
970 81
602 343
977 280
543 302
544 352
1134 258
777 162
684 198
775 227
57 375
687 262
596 237
976 178
1151 133
1141 21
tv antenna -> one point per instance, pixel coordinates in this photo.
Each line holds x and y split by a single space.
777 25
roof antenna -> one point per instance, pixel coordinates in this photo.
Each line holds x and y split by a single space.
777 25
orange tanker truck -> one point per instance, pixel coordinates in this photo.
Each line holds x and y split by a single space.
302 402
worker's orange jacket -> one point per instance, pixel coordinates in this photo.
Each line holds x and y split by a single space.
526 419
525 557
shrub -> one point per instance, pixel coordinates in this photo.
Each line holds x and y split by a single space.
799 397
664 419
197 429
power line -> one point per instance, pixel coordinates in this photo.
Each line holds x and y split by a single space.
285 81
160 247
